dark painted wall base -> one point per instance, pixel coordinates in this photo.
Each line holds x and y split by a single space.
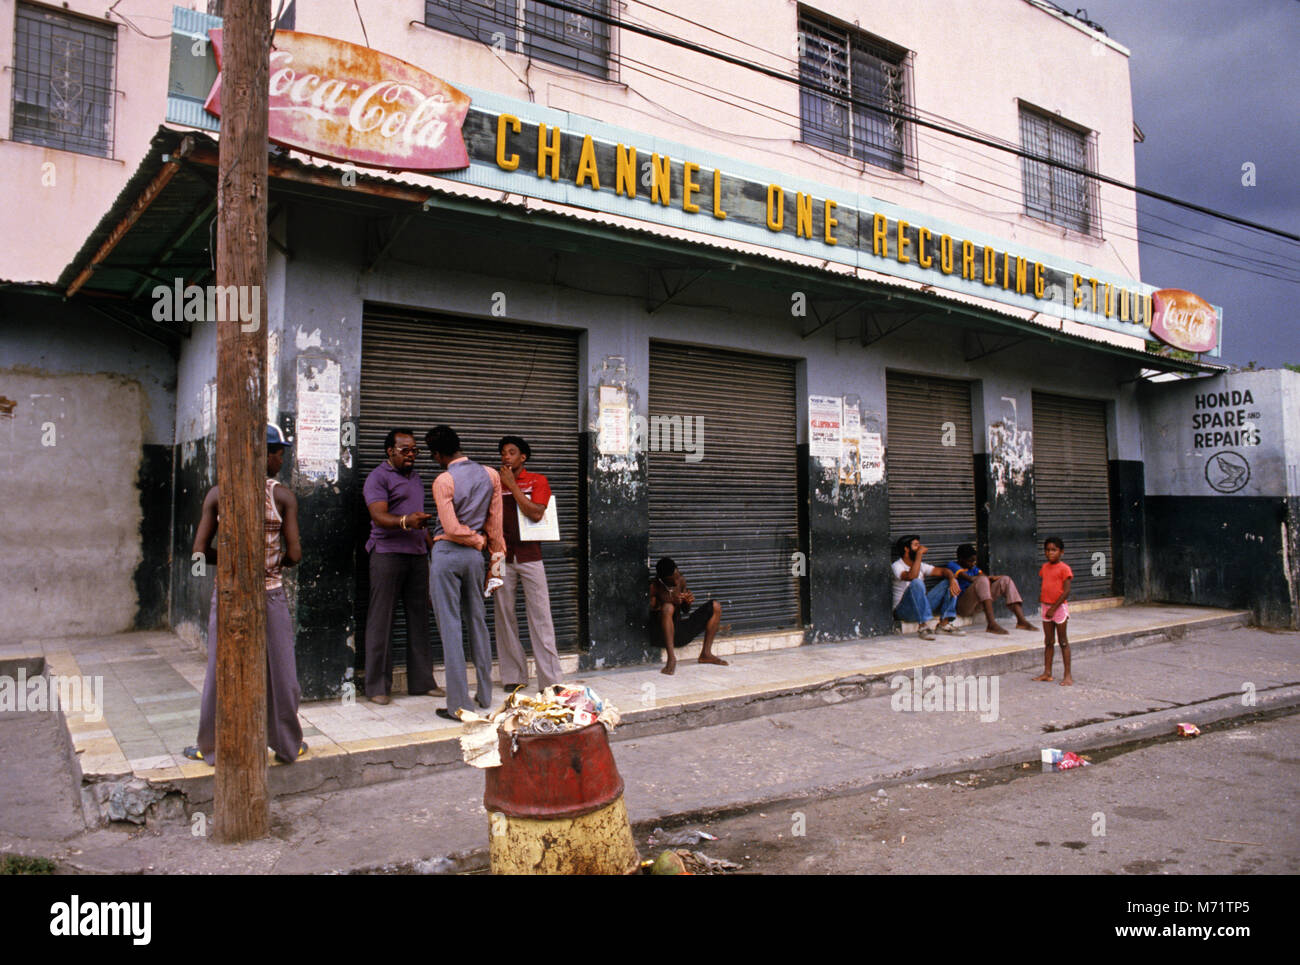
1128 528
1226 552
152 576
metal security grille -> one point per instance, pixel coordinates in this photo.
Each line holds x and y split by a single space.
730 519
485 381
1072 487
1052 193
930 463
839 61
531 27
63 81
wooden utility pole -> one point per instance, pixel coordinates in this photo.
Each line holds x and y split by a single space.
241 807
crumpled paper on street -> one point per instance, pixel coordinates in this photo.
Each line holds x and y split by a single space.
556 710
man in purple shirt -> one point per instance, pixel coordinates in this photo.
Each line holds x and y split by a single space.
399 566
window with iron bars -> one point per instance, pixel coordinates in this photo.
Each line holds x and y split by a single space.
531 27
1064 198
844 75
63 81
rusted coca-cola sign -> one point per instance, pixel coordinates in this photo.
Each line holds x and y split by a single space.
1184 320
350 103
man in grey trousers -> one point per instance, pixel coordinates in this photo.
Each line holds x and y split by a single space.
467 498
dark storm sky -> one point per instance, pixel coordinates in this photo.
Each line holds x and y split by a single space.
1216 85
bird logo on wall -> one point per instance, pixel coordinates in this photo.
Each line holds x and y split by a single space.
1227 471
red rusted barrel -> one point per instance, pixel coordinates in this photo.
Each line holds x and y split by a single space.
556 806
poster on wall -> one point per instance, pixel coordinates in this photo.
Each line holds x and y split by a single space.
612 438
850 446
825 421
317 441
873 458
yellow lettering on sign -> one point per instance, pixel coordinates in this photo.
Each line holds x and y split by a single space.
1110 301
803 215
1040 280
903 242
1146 310
1078 291
625 171
661 185
1094 293
923 248
829 221
1123 305
587 165
1006 270
990 266
689 187
548 150
717 196
1021 281
503 162
945 254
968 260
880 236
775 207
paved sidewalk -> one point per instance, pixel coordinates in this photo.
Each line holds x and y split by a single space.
823 743
152 682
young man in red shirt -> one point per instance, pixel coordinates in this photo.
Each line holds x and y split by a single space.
528 493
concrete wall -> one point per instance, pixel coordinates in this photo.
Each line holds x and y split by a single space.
85 471
1222 481
846 528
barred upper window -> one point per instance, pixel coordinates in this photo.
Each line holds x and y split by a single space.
531 27
1052 193
845 74
63 81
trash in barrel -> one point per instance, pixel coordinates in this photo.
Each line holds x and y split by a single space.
554 795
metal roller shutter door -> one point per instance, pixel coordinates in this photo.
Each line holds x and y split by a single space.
1072 486
730 520
485 381
931 485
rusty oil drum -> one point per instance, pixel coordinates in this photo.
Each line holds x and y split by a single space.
555 806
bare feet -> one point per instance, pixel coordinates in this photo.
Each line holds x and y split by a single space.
1043 676
712 659
670 667
1067 682
1025 625
996 628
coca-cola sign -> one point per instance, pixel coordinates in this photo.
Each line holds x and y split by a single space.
350 103
1184 320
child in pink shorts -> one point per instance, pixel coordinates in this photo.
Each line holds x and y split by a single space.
1054 578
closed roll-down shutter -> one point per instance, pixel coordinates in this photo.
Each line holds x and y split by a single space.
484 380
1072 487
929 463
729 519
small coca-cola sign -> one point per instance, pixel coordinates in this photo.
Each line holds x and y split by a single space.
1184 320
342 101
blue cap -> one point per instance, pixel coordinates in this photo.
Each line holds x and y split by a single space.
274 437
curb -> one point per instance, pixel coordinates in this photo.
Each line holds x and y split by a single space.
1105 735
335 772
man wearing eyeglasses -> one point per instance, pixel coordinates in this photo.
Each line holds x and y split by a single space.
399 567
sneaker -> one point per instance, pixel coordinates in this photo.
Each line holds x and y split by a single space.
952 628
924 632
302 750
194 754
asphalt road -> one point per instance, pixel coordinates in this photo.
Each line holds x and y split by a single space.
1221 803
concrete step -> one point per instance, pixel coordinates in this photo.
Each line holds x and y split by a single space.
437 748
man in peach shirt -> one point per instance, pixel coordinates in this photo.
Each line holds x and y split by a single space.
468 501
